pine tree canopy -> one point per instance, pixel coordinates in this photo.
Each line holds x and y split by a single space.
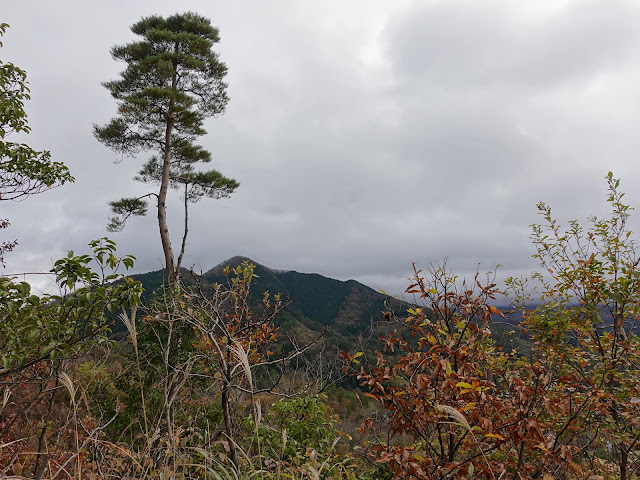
172 76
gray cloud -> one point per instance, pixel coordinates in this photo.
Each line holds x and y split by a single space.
365 135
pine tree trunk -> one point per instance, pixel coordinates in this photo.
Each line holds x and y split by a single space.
162 195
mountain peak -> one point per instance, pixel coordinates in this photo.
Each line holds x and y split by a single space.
312 301
233 262
237 260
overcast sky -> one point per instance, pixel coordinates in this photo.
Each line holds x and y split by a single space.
365 134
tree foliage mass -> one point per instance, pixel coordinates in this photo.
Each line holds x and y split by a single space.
23 170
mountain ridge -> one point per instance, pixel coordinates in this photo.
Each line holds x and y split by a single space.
313 301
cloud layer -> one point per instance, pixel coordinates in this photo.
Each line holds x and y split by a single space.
365 135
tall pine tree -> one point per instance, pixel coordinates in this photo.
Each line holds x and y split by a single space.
172 83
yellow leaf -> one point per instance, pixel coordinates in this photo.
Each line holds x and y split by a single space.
494 435
468 406
464 385
448 369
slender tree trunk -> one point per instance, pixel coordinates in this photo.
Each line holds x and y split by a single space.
226 414
624 461
162 195
42 457
168 385
226 404
186 227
